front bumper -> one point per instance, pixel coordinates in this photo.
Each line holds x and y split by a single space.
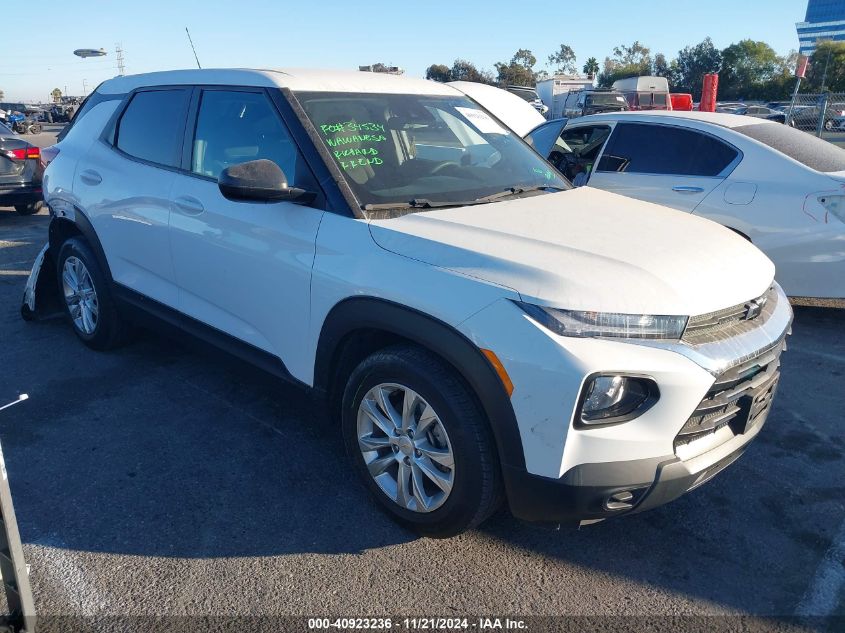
715 397
593 492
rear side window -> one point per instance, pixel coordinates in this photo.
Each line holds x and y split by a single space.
805 148
152 124
637 148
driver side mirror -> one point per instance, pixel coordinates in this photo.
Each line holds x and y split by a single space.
260 180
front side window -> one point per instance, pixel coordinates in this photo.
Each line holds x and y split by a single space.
152 124
404 147
638 148
235 127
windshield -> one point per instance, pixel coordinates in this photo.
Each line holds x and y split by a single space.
395 148
605 99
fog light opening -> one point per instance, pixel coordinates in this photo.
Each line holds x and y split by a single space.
613 399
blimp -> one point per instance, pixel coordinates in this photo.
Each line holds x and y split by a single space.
89 52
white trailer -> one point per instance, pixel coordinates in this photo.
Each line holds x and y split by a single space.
645 93
554 90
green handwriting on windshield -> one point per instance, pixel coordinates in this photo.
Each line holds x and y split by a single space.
343 134
547 174
351 126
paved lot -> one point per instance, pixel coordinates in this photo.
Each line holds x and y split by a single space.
162 479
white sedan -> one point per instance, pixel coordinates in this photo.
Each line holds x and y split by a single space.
780 188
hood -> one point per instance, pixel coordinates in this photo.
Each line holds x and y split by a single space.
515 112
586 249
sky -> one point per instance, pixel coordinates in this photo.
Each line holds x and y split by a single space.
346 34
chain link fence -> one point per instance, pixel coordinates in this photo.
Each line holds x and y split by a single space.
822 115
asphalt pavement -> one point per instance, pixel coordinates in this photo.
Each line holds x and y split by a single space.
162 479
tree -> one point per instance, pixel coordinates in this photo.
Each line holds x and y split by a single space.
57 95
746 67
827 67
694 62
520 70
627 61
438 72
634 55
564 60
591 67
462 70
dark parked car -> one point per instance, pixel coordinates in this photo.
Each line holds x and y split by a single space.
20 173
807 118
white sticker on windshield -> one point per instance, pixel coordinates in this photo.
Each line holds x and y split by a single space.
482 121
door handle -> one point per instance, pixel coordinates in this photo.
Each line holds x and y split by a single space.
683 189
189 205
90 177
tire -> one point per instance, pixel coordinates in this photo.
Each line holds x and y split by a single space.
35 128
105 329
29 209
457 430
828 125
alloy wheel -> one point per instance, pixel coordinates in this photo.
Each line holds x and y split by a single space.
405 447
80 295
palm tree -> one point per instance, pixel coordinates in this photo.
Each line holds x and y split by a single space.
591 67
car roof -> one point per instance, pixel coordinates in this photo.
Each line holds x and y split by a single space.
309 80
722 119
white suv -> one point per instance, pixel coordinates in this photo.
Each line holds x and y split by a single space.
481 329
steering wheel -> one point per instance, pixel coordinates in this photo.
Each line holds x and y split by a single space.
442 166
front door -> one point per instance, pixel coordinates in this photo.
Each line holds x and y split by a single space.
244 268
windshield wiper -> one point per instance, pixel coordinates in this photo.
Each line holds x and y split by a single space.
425 203
515 191
416 203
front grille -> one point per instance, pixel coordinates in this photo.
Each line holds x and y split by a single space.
729 322
740 398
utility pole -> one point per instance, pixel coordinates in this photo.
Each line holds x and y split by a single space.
121 67
84 87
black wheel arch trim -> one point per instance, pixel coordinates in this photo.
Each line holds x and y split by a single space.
370 313
82 224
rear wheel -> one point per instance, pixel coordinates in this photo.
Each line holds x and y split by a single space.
419 440
87 298
29 209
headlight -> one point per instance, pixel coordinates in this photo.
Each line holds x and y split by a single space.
586 324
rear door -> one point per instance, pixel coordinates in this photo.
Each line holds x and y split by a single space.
242 267
123 184
666 164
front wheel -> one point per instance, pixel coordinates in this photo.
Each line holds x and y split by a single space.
419 440
35 128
